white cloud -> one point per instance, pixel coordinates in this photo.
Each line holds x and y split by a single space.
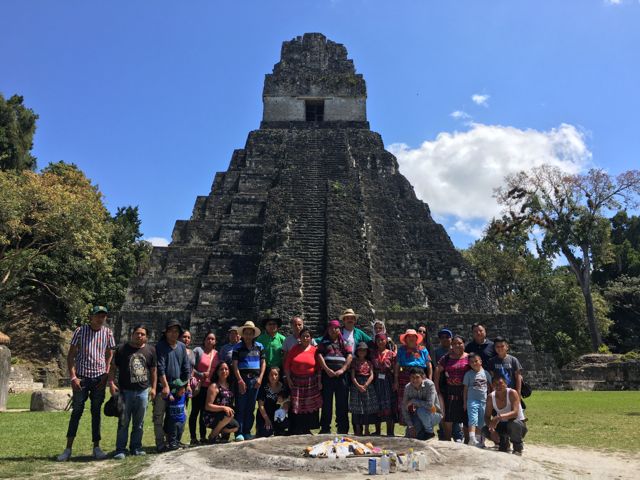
613 2
457 172
482 100
158 241
468 228
460 115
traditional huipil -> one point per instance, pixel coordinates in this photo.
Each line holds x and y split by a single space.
410 354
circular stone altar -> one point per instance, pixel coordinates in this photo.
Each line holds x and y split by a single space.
282 458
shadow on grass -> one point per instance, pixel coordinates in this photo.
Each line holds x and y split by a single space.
633 414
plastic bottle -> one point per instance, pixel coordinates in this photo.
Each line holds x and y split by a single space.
422 461
410 461
385 464
393 462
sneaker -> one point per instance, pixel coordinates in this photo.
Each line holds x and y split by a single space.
64 456
183 445
239 438
458 440
139 453
429 435
517 452
224 437
248 436
481 443
119 456
98 454
473 442
161 448
195 442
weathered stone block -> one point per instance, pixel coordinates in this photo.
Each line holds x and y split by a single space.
49 400
5 372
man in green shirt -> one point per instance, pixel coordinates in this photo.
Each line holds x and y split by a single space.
272 341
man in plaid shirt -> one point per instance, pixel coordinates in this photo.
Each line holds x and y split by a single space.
88 362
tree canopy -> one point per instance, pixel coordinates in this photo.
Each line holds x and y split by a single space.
569 211
17 128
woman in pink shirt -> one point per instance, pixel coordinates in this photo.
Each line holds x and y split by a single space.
206 360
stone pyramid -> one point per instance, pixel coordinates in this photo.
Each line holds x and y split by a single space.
311 217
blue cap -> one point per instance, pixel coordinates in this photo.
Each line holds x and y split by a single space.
445 331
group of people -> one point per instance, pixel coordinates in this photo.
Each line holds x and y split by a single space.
295 382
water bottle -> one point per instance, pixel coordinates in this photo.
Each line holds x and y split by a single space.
385 465
410 461
422 461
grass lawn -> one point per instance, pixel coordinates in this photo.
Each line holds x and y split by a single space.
29 441
600 420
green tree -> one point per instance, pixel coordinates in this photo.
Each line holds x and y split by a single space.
17 127
624 258
54 237
131 255
569 212
623 295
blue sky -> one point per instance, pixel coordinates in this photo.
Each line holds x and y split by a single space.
151 98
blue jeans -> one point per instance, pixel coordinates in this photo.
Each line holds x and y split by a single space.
423 419
135 408
246 406
89 388
173 429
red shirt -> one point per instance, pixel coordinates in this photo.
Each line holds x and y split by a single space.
301 362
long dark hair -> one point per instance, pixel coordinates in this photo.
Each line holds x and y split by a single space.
216 374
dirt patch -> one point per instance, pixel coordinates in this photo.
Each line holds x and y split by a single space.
281 458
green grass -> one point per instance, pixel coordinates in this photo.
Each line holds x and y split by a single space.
30 441
600 420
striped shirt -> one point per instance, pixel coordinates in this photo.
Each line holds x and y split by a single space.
92 347
248 358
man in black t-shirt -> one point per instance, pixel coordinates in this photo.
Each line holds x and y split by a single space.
480 344
137 378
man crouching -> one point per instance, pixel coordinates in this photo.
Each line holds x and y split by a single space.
508 425
420 406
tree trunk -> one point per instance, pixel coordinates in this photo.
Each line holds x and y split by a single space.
582 271
594 331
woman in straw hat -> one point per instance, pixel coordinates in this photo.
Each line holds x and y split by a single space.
248 368
410 354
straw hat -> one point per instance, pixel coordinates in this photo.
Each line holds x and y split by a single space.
348 313
411 331
247 325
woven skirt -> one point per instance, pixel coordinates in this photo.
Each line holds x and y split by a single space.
363 405
305 395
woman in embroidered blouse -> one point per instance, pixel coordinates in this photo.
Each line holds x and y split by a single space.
410 354
384 361
453 366
302 370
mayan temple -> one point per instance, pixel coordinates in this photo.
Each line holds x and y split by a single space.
311 217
